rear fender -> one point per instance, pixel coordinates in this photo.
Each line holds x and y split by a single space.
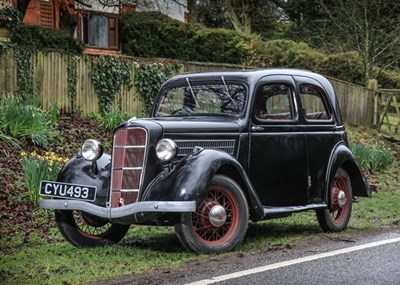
80 171
344 158
189 179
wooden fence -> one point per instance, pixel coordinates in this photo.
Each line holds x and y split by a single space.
388 110
51 73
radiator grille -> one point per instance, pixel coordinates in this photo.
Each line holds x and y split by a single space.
128 157
186 146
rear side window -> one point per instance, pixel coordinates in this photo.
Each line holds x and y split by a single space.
313 103
274 102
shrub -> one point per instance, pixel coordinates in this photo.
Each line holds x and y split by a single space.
345 66
35 37
153 34
25 120
287 53
10 17
37 168
372 159
389 79
220 45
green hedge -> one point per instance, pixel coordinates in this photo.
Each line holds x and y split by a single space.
152 34
287 53
220 45
345 66
35 37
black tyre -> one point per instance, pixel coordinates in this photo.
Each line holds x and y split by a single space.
337 216
84 230
220 221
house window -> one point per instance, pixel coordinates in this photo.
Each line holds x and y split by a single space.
99 30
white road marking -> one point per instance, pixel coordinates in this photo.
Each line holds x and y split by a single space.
292 262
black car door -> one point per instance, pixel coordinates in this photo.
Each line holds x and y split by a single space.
277 156
321 130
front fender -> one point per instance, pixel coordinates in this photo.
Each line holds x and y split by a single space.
189 179
344 158
80 171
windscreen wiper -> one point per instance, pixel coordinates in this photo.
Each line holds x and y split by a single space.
191 92
227 93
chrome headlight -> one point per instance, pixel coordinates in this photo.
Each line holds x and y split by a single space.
166 150
92 150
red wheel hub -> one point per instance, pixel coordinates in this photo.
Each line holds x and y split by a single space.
339 199
217 217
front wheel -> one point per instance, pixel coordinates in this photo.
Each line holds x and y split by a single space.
336 218
85 230
220 221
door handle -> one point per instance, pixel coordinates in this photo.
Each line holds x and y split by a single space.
257 128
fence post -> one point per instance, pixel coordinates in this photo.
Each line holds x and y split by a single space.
373 85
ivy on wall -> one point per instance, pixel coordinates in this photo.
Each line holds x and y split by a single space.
149 77
72 78
10 17
25 72
108 75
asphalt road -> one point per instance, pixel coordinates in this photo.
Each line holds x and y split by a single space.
367 258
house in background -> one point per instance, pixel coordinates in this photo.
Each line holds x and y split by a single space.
95 23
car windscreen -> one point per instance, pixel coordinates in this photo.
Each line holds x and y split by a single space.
202 99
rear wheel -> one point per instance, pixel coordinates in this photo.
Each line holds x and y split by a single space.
337 216
220 221
85 230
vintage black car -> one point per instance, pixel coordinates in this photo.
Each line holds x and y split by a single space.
220 149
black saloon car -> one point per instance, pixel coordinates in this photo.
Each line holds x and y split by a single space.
220 149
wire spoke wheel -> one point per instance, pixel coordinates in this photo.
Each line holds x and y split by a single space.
220 221
216 217
337 216
90 225
85 230
339 199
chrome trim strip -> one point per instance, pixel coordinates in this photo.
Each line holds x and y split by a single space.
129 190
130 146
113 213
128 168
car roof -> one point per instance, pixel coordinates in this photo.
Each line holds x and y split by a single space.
253 75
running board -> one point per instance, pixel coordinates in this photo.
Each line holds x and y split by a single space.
268 211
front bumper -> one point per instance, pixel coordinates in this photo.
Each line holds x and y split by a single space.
121 212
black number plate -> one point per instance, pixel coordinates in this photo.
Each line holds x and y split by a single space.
68 191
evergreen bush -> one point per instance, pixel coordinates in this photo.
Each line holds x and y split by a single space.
38 38
152 34
287 53
345 66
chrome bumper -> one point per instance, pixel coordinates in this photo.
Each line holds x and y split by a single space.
120 212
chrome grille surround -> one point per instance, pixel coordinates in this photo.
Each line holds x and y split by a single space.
127 168
185 147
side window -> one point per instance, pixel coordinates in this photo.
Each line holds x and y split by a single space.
312 102
273 102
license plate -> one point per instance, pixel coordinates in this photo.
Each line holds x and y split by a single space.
68 191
